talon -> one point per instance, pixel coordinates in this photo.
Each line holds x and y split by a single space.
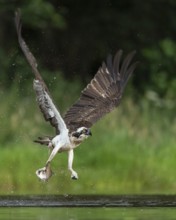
74 176
44 173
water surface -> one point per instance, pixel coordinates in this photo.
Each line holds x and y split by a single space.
87 213
88 207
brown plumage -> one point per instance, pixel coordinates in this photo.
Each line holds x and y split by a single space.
101 95
38 84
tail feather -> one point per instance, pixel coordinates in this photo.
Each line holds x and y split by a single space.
43 140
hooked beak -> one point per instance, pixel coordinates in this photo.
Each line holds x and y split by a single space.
89 132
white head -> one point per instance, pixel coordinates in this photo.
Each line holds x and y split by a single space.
82 133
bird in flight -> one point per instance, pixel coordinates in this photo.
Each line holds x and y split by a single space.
100 97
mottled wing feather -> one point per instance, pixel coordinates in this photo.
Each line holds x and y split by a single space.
29 56
45 105
44 100
102 94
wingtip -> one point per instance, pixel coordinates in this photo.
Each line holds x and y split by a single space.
133 52
17 15
18 21
18 12
119 53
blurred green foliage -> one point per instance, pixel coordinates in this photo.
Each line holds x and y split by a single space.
133 150
162 62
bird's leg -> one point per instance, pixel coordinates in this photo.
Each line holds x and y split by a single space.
45 173
74 175
53 153
50 146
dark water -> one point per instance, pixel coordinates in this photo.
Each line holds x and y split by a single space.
88 207
88 201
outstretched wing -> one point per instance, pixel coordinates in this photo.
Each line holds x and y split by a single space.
102 94
44 100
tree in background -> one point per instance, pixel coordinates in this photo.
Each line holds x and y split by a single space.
75 37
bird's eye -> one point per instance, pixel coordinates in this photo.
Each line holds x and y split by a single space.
76 134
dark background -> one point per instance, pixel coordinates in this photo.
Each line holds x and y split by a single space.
76 36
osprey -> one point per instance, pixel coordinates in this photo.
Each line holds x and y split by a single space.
100 97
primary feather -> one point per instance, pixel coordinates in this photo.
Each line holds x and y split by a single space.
102 94
44 99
